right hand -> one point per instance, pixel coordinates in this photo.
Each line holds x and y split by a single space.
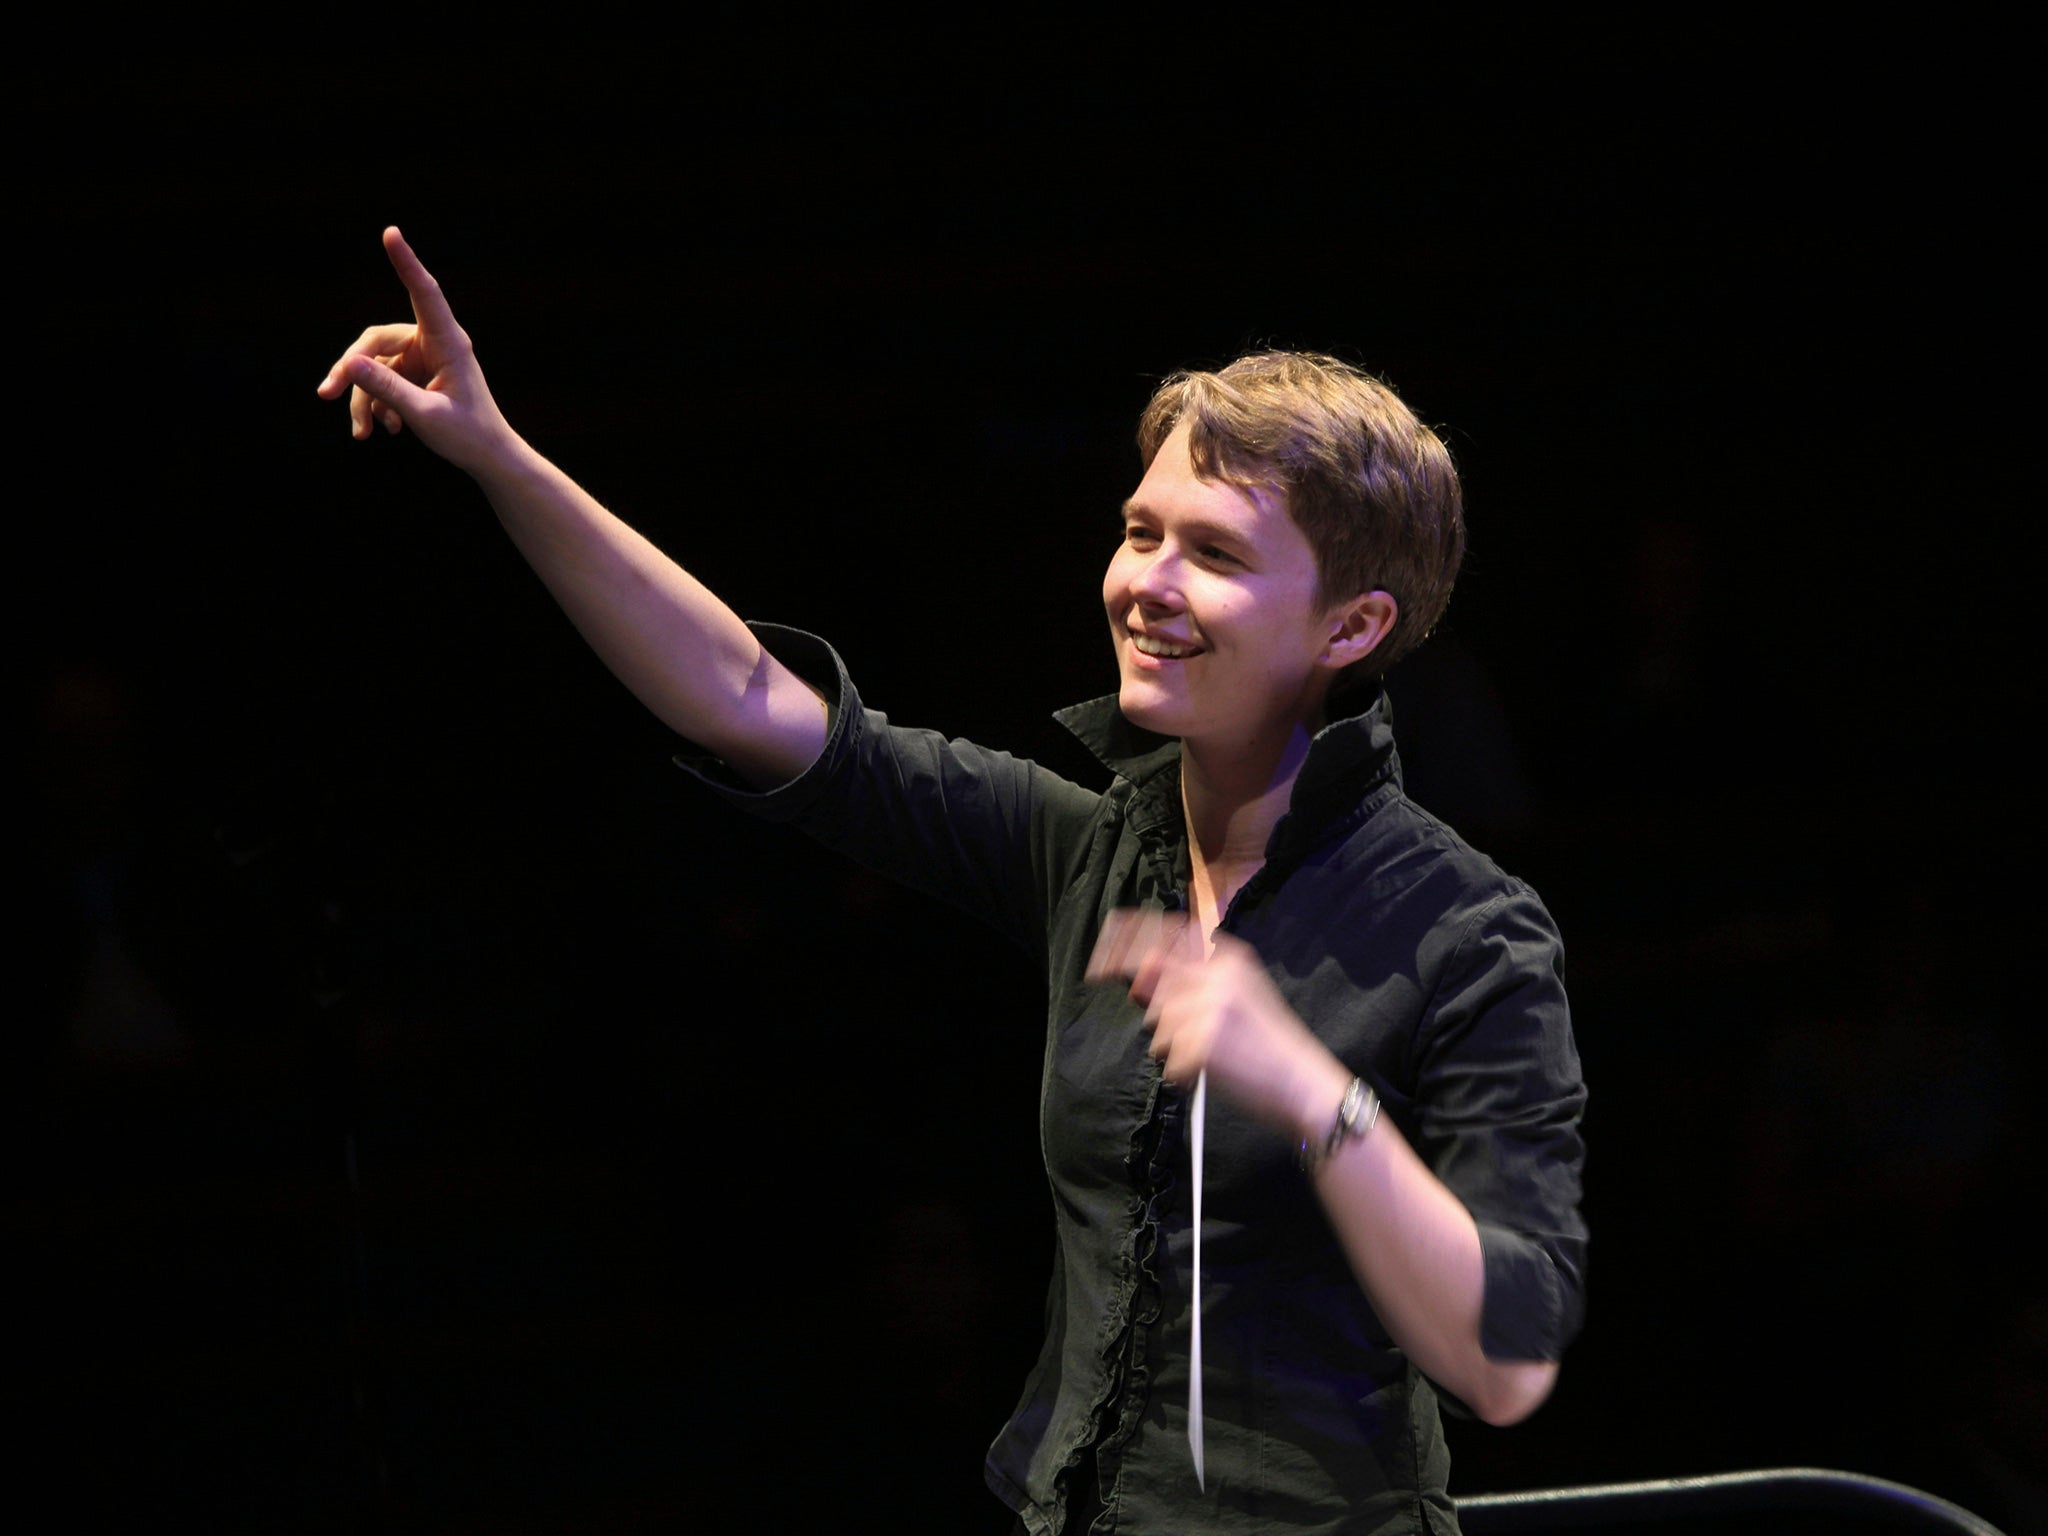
1213 1008
423 375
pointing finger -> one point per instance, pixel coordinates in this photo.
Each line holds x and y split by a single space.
429 304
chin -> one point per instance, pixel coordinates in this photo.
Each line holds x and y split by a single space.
1148 713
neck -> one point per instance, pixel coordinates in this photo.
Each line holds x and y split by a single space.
1232 801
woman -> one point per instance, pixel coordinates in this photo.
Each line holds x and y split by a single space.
1390 1164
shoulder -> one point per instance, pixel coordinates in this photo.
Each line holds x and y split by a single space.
1400 925
1395 860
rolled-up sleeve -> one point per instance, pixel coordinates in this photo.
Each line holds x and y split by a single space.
819 665
1500 1094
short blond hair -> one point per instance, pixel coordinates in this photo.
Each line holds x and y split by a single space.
1372 488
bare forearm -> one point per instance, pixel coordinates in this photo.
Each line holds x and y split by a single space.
1415 1250
668 637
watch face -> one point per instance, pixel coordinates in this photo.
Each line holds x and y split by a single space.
1352 1107
1360 1108
1356 1112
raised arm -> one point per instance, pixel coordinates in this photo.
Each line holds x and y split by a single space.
667 636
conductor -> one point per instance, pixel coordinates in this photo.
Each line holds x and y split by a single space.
1259 1296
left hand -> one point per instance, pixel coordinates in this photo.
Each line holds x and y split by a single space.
1214 1008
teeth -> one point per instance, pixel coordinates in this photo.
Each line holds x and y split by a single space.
1152 647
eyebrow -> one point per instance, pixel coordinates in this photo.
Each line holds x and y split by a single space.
1201 530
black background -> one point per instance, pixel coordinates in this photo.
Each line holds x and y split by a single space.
440 1117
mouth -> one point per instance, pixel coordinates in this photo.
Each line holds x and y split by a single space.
1163 650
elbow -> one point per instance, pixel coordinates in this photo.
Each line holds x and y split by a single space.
1512 1390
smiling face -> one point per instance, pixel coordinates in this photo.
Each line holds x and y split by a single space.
1221 637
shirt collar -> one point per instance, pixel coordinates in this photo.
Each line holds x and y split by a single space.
1349 758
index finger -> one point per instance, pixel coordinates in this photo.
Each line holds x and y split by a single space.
429 304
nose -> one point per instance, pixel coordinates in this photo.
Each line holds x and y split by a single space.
1156 580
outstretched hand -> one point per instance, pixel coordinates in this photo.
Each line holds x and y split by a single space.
1216 1009
423 375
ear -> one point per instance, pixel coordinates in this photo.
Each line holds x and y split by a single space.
1357 626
